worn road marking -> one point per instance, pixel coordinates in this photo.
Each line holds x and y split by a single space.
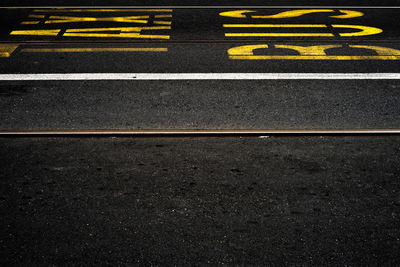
102 10
314 52
363 30
7 49
346 14
197 76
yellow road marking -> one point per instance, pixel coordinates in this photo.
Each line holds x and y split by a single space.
163 16
103 10
124 32
383 51
54 32
7 49
315 57
246 52
36 16
88 50
346 14
274 26
29 22
279 35
276 34
69 19
161 22
314 50
365 30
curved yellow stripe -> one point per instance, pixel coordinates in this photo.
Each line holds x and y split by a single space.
382 51
348 14
235 13
364 30
245 50
292 13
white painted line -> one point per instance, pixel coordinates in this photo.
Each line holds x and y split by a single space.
197 7
197 76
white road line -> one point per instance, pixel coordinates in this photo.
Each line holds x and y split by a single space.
197 76
197 7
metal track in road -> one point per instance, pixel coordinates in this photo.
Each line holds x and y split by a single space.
49 42
204 132
199 7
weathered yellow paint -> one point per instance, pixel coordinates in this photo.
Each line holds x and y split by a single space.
90 50
7 49
279 35
348 14
29 22
311 53
36 16
124 32
315 57
314 50
53 32
292 14
163 16
364 30
69 19
236 13
276 34
383 51
245 50
161 22
274 26
103 10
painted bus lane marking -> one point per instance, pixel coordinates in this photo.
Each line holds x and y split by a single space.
310 52
313 52
356 30
145 24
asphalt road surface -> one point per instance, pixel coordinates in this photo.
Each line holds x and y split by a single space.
205 67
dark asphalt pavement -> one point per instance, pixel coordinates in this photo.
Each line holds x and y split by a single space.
201 201
182 201
199 105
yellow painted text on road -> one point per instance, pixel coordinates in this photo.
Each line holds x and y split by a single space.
345 14
123 32
316 52
361 30
70 19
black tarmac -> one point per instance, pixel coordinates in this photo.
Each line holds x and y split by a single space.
182 201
